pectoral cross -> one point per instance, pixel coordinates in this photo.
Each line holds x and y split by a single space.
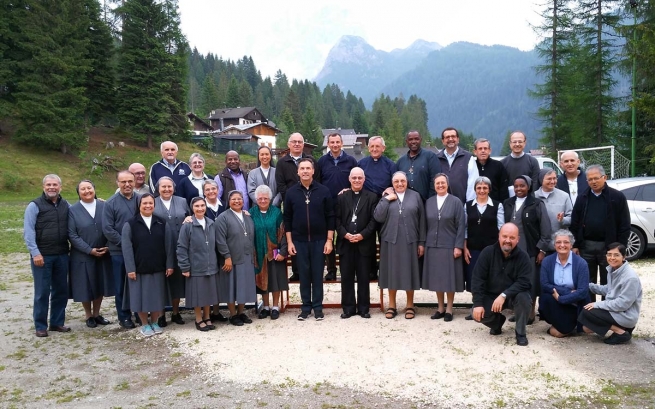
207 243
307 201
245 233
411 169
169 216
400 211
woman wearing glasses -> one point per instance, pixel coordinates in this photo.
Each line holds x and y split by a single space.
619 311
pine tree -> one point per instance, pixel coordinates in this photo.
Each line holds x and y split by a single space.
100 86
51 66
208 97
151 92
233 97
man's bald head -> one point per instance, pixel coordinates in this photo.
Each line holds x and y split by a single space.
508 238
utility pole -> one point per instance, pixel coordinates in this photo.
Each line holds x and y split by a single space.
633 6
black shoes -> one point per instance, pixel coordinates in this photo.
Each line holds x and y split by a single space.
364 315
437 315
303 316
137 319
177 318
331 277
264 313
448 317
616 339
319 316
100 320
275 314
346 315
236 320
161 321
218 317
469 317
127 324
294 277
203 329
91 322
521 340
245 318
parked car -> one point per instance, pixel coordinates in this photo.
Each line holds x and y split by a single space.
640 193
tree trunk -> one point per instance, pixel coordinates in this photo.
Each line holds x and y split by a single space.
599 75
553 93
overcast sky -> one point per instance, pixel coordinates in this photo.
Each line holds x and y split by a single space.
297 35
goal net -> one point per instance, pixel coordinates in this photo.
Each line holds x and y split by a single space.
616 165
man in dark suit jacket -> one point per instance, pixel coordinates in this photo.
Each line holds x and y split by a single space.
356 244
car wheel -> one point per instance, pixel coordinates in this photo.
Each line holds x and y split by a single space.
636 244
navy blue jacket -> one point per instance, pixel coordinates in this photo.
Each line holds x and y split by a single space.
335 177
420 172
563 184
308 221
580 275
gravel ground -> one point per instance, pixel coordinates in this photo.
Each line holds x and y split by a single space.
335 363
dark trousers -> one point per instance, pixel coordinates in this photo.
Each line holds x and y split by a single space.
468 268
310 261
563 317
50 289
118 268
521 304
593 252
599 321
353 264
331 263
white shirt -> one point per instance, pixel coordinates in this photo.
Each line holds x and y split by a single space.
440 200
167 203
148 220
214 207
238 215
202 222
90 207
573 189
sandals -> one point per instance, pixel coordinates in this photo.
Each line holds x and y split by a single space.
410 313
391 313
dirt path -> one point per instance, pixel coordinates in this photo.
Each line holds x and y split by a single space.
336 363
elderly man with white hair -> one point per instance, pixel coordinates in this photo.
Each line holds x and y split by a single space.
169 166
356 244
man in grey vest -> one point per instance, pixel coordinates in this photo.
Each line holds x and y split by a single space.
459 165
46 237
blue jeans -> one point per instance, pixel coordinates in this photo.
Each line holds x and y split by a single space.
118 268
311 261
50 287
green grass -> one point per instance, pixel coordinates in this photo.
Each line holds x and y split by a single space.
22 168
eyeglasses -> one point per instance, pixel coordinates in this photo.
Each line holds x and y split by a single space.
263 199
614 255
517 142
139 173
296 142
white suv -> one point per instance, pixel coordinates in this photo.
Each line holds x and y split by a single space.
640 193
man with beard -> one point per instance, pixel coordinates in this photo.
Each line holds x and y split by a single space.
419 165
501 280
459 165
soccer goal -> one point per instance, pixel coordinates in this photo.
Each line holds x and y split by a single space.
616 165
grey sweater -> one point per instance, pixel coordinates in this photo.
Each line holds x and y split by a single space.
622 295
556 202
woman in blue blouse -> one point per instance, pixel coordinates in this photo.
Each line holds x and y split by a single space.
564 286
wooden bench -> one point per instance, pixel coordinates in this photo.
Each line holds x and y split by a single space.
286 303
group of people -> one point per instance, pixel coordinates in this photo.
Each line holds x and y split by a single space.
448 222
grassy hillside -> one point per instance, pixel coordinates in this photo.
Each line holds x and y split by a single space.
22 169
